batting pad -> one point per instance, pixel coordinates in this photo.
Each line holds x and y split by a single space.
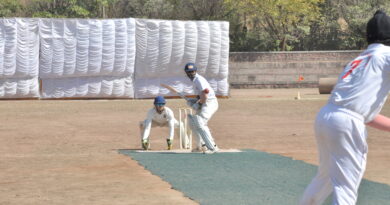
203 131
247 177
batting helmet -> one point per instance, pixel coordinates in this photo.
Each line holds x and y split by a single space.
378 28
159 100
190 67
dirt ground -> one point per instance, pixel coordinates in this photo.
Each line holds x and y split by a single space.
66 152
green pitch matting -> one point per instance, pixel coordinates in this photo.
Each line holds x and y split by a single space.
243 178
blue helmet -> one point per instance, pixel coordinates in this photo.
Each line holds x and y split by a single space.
190 67
159 100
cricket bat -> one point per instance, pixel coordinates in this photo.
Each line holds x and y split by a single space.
174 91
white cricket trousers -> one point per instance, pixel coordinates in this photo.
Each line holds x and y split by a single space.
342 148
206 112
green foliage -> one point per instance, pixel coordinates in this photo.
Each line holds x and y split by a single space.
285 21
58 9
172 9
342 25
10 8
357 17
71 8
255 25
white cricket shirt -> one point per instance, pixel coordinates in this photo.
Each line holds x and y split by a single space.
163 118
201 84
364 84
166 118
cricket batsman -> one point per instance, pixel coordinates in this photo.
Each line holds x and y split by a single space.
205 106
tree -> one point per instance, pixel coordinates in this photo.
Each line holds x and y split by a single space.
10 8
171 9
356 15
57 9
284 21
255 25
153 9
71 8
203 9
342 25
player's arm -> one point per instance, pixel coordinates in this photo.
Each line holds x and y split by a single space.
171 124
201 85
203 96
148 124
380 122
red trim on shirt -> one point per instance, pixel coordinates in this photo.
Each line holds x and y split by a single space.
206 91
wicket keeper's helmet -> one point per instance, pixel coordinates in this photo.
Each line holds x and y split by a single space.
190 67
378 28
159 100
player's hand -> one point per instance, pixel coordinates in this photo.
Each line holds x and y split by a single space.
191 101
196 106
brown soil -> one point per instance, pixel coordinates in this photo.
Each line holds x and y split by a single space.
66 151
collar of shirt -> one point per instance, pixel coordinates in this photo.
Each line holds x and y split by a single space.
196 76
375 45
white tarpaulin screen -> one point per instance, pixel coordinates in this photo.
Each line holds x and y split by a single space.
19 56
91 87
19 88
97 49
118 58
87 47
164 47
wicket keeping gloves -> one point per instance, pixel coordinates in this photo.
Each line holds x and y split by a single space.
169 143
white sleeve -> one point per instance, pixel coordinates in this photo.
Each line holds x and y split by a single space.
200 85
171 123
148 124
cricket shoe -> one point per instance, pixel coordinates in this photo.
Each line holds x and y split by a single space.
187 146
208 152
216 149
197 149
205 150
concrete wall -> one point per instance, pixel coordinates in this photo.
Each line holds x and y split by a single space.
282 69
